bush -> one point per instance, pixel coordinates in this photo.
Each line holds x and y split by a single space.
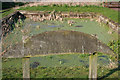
65 5
114 45
6 5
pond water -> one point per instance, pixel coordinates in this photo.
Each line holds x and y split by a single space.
63 64
86 26
68 60
82 25
33 28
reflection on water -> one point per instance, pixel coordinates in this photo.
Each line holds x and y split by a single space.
86 26
34 64
67 60
54 26
79 26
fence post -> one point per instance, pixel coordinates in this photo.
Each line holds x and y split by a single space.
25 61
93 66
26 68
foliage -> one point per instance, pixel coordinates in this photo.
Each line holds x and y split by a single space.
114 45
7 12
6 5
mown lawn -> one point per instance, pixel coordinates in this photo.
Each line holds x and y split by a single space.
112 14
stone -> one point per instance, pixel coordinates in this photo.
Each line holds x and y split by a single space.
70 22
94 35
16 25
61 19
101 18
37 27
91 19
111 25
25 38
109 32
106 21
68 39
57 17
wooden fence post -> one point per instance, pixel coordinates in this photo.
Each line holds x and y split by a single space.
26 68
25 61
93 66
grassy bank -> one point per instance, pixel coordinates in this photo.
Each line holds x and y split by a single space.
6 12
7 8
113 15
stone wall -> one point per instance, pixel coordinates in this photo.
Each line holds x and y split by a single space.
62 3
58 42
41 16
108 22
9 22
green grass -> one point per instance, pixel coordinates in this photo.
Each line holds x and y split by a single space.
113 15
59 72
6 13
114 45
